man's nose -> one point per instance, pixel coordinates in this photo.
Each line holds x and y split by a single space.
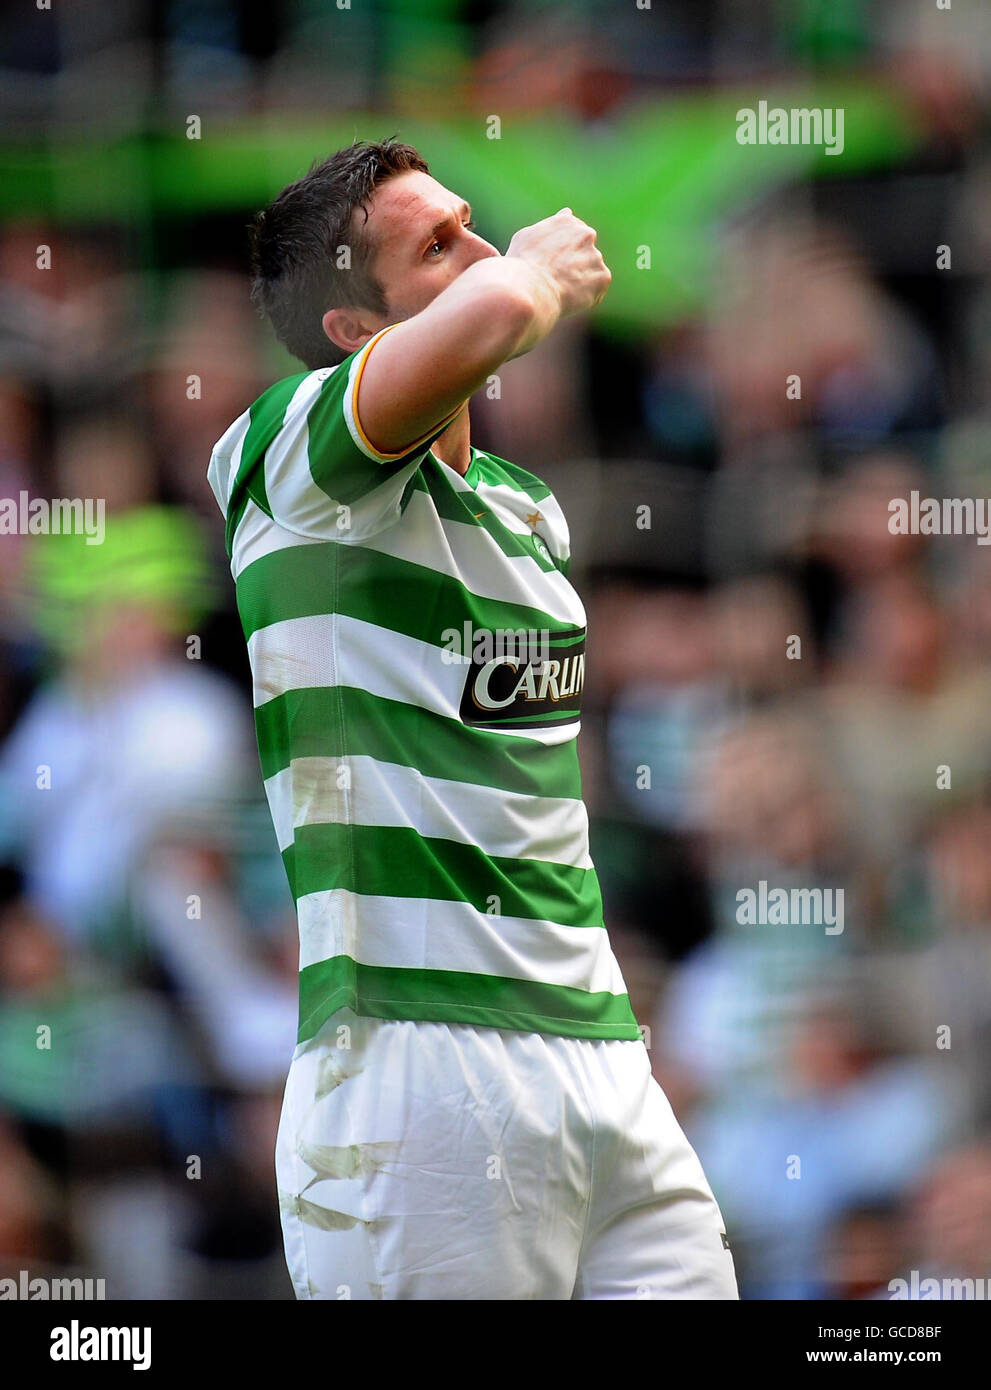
481 249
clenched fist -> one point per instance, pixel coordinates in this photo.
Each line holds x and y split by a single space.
563 248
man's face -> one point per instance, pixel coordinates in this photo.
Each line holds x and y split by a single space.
421 241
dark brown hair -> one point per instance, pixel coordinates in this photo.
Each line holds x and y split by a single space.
296 241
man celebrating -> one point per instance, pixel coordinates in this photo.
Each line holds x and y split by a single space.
470 1111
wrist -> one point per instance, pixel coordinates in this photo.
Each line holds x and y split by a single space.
544 289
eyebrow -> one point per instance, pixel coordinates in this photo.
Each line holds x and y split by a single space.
438 227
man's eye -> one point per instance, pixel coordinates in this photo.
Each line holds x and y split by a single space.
469 226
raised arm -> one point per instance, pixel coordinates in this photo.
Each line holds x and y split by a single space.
497 309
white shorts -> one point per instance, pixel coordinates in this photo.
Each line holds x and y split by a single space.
443 1161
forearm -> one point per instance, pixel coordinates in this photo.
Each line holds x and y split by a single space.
511 304
535 291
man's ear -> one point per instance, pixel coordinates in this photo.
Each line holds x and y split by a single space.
346 328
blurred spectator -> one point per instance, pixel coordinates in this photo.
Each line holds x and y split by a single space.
857 1126
130 734
950 1224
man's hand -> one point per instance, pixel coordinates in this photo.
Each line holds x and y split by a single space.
563 248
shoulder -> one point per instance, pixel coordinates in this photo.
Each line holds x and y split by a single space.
281 412
278 406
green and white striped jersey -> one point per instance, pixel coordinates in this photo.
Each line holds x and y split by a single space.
421 770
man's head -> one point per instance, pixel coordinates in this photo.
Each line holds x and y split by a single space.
365 239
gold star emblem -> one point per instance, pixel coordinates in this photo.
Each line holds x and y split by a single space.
533 519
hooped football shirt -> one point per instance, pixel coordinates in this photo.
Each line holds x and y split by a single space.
418 657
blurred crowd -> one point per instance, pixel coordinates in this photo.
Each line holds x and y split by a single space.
780 689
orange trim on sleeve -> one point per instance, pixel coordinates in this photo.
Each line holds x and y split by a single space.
387 458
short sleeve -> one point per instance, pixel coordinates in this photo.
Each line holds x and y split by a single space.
322 475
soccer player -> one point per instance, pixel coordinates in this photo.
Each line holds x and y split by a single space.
470 1111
